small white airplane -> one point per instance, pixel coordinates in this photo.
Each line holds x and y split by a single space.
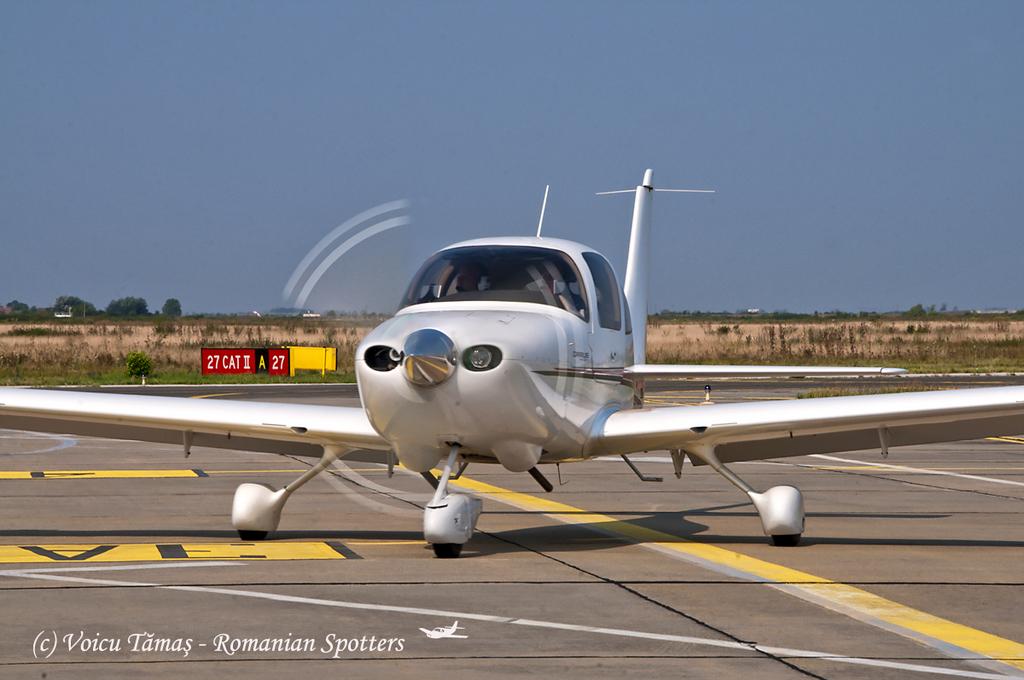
444 632
522 351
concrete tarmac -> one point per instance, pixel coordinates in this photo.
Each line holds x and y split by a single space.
117 559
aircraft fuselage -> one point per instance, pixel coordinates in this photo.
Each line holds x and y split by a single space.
559 370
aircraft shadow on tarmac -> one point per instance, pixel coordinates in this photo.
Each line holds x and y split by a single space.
681 529
561 537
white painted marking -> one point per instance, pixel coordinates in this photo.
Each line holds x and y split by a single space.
490 618
921 471
120 567
62 442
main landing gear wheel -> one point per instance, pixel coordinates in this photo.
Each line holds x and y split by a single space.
447 550
256 508
781 508
252 535
786 540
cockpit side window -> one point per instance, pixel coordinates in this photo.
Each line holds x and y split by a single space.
500 273
609 309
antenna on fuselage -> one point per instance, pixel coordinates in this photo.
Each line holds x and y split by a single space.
543 207
638 258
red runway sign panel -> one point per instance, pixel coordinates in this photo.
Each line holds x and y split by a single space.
228 361
235 361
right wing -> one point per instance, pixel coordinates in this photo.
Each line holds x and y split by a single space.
296 429
759 430
728 371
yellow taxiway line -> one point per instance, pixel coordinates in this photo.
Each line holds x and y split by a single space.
936 632
150 552
909 468
1011 440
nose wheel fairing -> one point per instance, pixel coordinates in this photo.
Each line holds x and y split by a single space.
450 519
453 521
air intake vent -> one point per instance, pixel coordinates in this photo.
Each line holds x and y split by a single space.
382 358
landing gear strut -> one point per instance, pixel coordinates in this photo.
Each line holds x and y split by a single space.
449 519
256 510
781 508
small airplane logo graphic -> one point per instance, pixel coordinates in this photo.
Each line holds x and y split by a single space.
443 632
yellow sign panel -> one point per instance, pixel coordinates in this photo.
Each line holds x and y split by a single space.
321 359
153 552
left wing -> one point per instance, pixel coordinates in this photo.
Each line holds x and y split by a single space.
296 429
758 430
726 371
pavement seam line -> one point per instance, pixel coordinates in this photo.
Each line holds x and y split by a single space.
651 600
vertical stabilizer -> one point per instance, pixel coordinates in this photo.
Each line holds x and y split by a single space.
637 264
639 259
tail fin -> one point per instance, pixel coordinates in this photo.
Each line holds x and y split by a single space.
639 257
637 263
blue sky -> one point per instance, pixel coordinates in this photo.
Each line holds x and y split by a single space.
866 155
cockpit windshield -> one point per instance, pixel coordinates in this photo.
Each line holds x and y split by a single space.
500 273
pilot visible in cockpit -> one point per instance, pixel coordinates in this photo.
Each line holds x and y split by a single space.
467 278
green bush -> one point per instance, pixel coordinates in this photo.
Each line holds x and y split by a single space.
171 308
138 364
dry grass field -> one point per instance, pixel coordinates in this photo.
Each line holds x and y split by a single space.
941 346
62 353
94 352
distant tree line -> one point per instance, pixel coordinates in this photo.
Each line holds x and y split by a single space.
918 311
122 307
128 306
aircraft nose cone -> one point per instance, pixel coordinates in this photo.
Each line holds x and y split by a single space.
429 357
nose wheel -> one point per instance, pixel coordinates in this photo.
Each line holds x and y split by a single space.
786 540
252 535
447 550
449 519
